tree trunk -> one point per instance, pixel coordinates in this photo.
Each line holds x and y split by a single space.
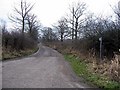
73 25
76 28
61 37
23 24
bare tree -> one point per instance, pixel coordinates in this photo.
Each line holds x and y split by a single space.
117 10
77 11
62 28
19 18
31 20
33 26
2 26
48 34
73 23
20 14
3 34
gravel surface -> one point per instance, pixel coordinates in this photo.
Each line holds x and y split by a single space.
44 69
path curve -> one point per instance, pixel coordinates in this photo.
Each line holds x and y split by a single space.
44 69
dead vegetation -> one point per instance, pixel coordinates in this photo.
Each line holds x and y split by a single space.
12 53
107 68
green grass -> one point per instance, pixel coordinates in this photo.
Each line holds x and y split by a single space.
81 69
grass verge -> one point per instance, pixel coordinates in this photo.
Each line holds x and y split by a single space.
7 54
81 69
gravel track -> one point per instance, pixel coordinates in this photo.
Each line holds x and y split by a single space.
44 69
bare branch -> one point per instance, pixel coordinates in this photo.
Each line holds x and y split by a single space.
21 14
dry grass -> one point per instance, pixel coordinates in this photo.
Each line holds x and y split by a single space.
107 68
10 53
115 69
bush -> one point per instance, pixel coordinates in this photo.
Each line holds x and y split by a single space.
17 41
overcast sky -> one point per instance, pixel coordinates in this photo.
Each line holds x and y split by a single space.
50 11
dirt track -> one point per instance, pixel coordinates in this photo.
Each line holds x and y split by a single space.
45 69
